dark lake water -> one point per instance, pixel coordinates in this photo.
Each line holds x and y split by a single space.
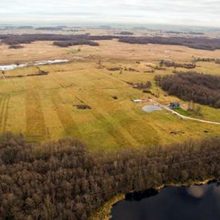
172 203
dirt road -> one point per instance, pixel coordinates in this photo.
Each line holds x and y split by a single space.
186 117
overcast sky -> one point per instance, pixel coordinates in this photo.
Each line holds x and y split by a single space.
188 12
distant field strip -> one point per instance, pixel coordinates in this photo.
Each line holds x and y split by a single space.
35 124
4 102
64 115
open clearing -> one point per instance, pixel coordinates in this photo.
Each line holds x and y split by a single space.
91 99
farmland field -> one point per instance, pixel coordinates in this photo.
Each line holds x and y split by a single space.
45 107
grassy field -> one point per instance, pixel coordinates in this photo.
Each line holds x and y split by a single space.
43 107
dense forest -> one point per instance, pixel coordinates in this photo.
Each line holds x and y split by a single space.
192 86
62 180
168 63
68 40
192 42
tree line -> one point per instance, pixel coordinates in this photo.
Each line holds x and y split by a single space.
203 43
68 40
192 86
169 63
63 180
58 39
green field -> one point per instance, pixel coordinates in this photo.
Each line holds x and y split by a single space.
43 108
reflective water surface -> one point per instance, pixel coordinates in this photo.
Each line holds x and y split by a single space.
172 203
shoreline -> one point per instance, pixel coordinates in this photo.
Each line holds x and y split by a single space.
104 212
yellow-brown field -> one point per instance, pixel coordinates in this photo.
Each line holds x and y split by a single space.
42 107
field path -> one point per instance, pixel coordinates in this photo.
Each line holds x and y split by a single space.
188 118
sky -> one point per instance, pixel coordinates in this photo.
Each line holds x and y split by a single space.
175 12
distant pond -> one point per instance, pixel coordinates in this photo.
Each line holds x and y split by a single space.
171 203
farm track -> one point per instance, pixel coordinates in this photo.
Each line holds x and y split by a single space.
189 118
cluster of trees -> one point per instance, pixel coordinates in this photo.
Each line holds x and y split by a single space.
75 42
181 32
203 59
192 42
206 59
62 180
169 63
192 86
142 85
130 69
15 46
56 28
16 27
125 33
114 68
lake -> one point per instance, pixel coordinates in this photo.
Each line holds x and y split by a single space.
171 203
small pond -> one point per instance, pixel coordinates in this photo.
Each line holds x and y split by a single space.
151 108
171 203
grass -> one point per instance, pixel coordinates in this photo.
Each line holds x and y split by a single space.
43 107
183 112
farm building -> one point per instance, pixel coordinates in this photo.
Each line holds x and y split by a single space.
174 105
